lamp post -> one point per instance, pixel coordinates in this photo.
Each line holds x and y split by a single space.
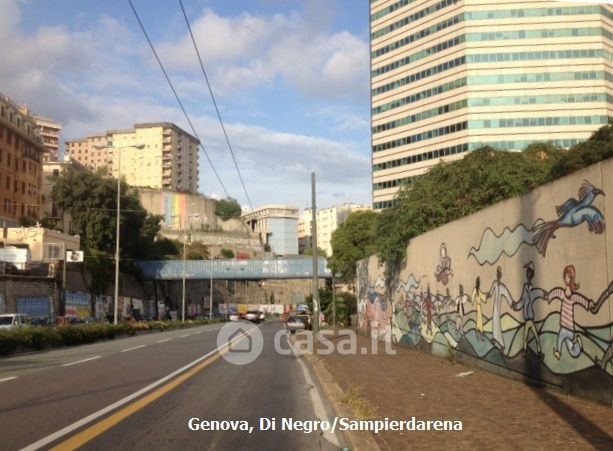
118 149
211 289
195 215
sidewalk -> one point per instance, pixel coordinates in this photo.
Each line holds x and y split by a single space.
496 412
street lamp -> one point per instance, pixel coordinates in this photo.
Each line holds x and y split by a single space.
195 215
118 149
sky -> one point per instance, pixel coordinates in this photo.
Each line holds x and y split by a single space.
290 77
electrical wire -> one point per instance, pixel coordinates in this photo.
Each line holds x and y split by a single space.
177 96
206 78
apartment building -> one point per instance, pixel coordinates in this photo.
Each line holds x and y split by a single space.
21 151
153 155
328 220
49 131
449 76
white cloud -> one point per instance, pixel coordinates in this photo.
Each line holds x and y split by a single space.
247 51
104 78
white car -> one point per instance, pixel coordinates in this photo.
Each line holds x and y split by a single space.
234 317
14 320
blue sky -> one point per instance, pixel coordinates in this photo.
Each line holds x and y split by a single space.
290 78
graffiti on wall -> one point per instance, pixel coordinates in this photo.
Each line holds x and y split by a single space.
570 214
498 309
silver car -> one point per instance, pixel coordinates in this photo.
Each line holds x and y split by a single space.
14 320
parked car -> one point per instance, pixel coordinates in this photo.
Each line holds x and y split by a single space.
294 323
262 317
42 321
234 316
14 320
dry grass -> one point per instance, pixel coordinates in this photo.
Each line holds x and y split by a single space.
358 403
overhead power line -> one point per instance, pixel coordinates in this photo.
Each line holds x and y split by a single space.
142 27
206 78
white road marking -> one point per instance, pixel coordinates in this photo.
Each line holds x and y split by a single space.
8 379
164 340
135 347
316 401
198 333
186 335
94 416
81 361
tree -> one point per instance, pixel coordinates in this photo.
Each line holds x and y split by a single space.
598 147
453 190
227 209
227 253
352 241
91 200
320 252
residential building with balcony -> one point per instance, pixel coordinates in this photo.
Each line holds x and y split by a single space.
328 220
49 131
21 151
168 159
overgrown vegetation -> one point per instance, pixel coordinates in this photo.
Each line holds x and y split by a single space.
352 241
91 200
346 305
227 209
450 191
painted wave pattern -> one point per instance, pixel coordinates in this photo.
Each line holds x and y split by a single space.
493 246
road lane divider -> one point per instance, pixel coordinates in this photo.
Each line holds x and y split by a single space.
133 348
165 384
82 360
186 335
8 378
164 340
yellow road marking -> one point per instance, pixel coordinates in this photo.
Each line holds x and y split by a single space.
104 425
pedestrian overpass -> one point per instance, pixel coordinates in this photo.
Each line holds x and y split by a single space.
287 268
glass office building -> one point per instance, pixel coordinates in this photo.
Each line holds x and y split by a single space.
449 76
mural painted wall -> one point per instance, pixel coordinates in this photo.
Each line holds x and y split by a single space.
525 284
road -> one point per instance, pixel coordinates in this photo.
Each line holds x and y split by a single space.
47 397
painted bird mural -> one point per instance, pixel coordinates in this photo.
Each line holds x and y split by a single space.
572 213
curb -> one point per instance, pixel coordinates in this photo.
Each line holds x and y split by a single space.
357 440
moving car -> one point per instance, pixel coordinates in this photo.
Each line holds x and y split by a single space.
253 316
294 323
14 320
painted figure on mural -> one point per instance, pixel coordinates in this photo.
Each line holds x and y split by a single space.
572 213
478 299
443 269
497 292
378 312
460 301
529 296
427 305
569 298
606 358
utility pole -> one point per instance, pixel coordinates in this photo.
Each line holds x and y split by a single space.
314 247
333 301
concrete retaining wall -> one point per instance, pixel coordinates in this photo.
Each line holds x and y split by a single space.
522 286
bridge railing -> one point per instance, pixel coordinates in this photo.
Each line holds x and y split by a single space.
233 269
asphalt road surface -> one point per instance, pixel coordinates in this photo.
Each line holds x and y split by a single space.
141 392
